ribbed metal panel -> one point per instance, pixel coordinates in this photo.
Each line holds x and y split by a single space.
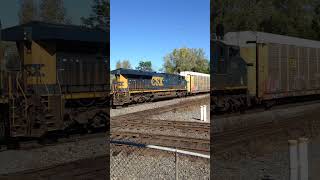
312 68
284 68
293 63
292 67
303 68
273 70
81 72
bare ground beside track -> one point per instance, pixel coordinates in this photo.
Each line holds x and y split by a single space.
136 127
291 123
253 145
246 135
84 169
159 107
53 165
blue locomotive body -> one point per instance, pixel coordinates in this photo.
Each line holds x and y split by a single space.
133 86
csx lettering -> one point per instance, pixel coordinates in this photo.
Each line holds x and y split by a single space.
157 81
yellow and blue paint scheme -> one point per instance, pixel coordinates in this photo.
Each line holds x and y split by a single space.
133 83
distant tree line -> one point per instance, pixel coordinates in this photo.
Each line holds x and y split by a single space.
51 11
100 16
54 11
123 64
144 65
180 59
299 18
186 59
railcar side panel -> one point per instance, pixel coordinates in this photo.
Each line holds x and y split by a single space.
287 70
249 55
196 82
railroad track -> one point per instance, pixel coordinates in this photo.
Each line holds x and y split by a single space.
173 107
223 141
192 144
167 126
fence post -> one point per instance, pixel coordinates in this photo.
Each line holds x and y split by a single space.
303 158
201 110
293 149
176 162
205 113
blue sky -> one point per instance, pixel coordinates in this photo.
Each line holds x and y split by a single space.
150 29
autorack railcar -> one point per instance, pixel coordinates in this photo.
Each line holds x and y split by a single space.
263 68
196 82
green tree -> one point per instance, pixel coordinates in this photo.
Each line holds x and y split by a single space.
27 11
100 16
53 11
316 21
123 64
144 66
186 59
292 18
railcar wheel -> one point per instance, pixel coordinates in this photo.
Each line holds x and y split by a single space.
268 104
99 120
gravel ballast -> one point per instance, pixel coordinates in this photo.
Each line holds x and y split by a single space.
21 160
153 105
129 162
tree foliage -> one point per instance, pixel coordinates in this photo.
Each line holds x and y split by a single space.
53 11
144 66
123 64
186 59
298 18
27 11
100 16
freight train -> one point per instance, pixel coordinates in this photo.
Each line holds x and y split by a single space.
257 68
52 79
135 86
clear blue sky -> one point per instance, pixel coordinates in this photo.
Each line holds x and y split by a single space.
150 29
75 9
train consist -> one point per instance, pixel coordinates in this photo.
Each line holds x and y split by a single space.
134 86
52 79
251 68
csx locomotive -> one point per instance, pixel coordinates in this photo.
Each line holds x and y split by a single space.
134 86
251 68
52 79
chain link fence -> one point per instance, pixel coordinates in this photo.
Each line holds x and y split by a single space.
139 161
